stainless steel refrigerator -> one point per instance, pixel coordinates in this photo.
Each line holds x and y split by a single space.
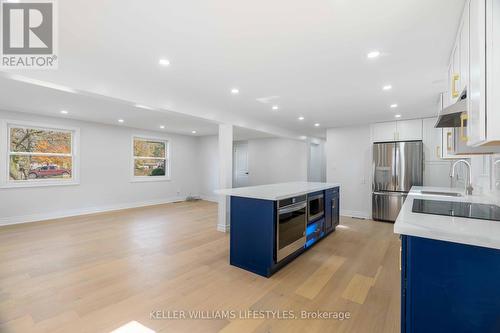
397 166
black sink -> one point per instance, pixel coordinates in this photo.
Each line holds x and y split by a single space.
458 209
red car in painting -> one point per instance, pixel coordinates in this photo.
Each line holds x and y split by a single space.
49 171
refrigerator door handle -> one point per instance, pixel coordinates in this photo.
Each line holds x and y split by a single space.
396 164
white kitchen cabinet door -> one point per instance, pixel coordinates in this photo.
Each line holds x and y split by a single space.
476 114
447 143
447 100
431 138
382 132
464 48
493 76
454 74
409 130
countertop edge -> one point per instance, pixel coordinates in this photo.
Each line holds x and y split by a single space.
445 238
228 192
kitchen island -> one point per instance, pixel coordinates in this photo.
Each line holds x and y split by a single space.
450 265
270 225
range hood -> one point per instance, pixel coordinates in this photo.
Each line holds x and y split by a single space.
450 116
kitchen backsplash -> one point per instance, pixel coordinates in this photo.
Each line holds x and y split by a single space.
486 174
495 174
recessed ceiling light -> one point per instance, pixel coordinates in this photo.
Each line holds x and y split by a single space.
300 118
141 106
316 125
194 132
121 120
64 112
397 116
235 91
387 87
162 126
275 107
393 106
303 137
164 62
373 54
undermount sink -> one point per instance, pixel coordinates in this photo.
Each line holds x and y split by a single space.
444 194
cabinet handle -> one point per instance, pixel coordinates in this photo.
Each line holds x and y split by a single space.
438 152
448 140
463 118
454 92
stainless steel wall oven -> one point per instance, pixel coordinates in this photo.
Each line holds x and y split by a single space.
291 226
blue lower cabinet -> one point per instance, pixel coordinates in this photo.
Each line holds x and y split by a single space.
449 287
332 213
253 235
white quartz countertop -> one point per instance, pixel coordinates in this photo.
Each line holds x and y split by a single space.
276 191
447 228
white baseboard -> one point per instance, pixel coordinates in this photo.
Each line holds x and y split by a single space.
354 213
85 211
211 198
222 228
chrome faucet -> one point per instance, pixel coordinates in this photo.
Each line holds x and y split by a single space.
468 183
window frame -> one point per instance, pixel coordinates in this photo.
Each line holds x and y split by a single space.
5 153
168 171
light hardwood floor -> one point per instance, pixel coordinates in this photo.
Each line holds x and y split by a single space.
98 272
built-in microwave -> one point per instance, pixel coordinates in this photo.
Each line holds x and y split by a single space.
316 206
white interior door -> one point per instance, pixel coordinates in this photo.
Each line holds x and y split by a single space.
240 158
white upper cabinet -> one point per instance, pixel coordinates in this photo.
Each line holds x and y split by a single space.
382 132
476 114
480 72
454 75
432 140
404 130
464 49
409 130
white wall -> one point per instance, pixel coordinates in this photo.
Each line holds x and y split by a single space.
495 175
317 162
105 184
208 166
348 161
276 160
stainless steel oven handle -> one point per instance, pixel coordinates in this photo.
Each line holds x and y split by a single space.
292 208
318 196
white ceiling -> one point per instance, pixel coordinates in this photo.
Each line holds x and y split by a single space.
243 134
31 98
311 54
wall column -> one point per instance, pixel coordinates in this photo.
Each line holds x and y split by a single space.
225 174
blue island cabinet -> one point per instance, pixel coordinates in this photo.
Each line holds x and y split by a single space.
449 287
332 202
253 232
